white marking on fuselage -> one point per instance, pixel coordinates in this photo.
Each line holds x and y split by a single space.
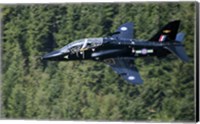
138 51
133 50
131 78
66 57
144 51
150 51
123 28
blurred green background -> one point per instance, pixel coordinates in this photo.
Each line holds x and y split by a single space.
87 90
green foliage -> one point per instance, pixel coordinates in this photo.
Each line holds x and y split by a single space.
33 89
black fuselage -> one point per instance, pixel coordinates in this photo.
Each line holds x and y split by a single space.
112 48
119 50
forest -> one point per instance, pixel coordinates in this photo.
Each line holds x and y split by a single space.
88 90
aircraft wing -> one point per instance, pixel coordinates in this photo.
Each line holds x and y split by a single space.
124 31
125 68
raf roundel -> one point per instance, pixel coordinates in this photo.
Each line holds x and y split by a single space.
144 51
123 28
131 78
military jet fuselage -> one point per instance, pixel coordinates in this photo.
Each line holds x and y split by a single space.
105 48
120 49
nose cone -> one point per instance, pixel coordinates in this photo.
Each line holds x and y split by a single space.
55 55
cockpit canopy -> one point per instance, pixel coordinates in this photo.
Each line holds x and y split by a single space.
82 44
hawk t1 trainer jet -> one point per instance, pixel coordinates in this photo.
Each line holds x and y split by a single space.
120 49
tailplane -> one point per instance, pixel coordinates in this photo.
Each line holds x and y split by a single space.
179 51
180 37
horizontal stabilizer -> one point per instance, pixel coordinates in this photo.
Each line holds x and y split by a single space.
179 51
180 37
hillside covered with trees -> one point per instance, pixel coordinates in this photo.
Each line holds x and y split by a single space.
87 90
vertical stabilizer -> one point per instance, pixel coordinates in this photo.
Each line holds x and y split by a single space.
167 33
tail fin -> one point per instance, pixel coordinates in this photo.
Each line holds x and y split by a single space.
167 33
179 51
